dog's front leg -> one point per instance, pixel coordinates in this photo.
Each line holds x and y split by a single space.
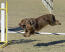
27 33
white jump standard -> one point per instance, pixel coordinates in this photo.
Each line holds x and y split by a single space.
3 24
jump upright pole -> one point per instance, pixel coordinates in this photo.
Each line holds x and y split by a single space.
4 24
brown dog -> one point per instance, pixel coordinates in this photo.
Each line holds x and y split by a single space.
35 24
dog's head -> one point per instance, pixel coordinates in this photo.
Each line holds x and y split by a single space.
27 22
28 25
52 21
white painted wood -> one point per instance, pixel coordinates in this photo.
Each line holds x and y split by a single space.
2 22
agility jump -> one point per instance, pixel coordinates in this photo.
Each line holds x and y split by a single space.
4 24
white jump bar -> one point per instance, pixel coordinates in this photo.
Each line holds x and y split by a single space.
41 33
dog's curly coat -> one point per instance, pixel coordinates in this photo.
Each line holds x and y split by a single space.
35 24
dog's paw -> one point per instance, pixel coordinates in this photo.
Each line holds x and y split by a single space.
26 35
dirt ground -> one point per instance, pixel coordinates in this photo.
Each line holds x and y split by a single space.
19 9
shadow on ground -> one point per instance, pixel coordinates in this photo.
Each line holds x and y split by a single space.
20 41
50 43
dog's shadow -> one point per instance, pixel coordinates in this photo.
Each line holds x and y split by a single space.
20 41
50 43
